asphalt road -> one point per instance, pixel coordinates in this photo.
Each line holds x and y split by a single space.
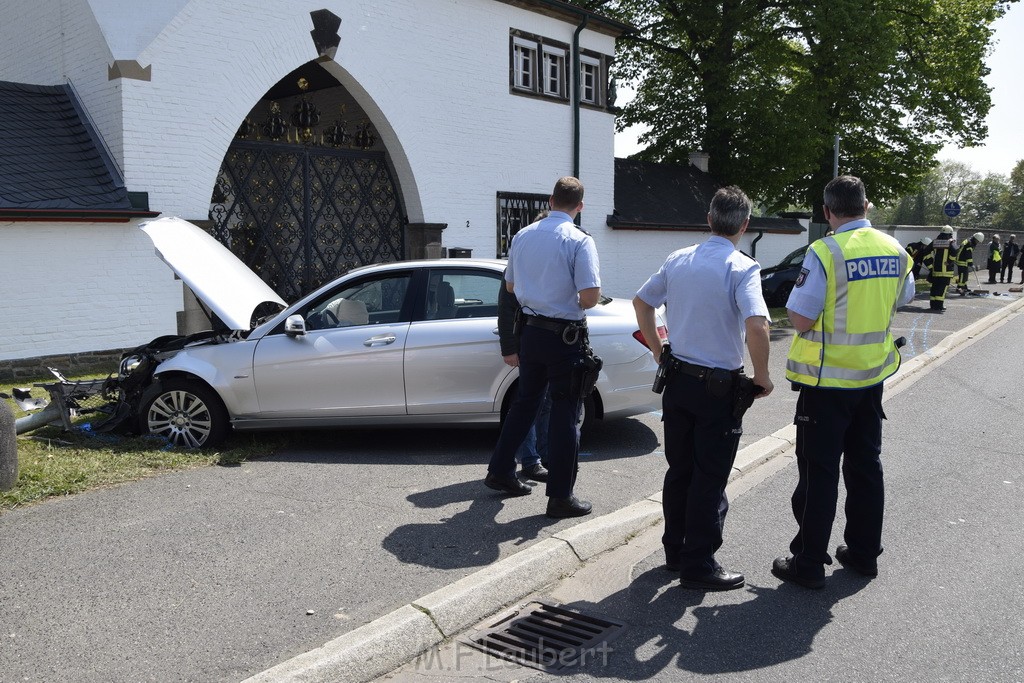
217 574
946 605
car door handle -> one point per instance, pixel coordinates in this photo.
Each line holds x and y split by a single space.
380 340
495 331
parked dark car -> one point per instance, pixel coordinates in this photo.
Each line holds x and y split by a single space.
777 282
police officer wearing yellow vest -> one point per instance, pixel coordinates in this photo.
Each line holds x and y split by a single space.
842 306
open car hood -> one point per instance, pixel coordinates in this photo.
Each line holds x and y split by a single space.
212 272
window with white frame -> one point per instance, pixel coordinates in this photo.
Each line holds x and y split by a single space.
524 63
539 66
543 68
590 80
554 71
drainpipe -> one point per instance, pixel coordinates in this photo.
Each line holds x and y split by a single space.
576 96
753 244
585 16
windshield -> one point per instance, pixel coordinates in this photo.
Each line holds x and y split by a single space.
794 258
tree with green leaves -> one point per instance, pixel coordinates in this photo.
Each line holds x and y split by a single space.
1010 216
763 86
983 200
979 198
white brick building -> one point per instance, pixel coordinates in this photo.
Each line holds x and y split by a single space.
465 99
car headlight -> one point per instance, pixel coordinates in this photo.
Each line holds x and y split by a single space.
128 365
767 276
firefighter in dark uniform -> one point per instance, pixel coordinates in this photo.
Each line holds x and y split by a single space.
918 250
965 261
940 262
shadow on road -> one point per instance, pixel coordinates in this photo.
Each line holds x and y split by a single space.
470 537
436 446
669 626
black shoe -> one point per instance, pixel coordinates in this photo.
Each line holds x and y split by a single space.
782 567
718 580
672 565
572 506
512 487
850 562
536 472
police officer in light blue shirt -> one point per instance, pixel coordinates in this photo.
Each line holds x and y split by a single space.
550 263
712 298
553 270
808 295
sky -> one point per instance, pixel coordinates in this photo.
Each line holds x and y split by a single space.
1004 146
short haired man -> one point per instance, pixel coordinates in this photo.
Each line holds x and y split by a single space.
712 298
842 308
1010 254
553 270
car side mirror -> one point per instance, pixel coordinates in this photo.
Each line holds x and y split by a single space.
295 326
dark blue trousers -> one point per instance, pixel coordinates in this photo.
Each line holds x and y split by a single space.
701 438
543 359
834 425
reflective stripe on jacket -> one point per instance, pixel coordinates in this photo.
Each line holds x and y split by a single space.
965 256
851 347
940 261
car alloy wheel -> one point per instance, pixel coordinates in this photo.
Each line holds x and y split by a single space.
187 414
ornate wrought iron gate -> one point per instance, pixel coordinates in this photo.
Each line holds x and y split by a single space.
516 210
301 216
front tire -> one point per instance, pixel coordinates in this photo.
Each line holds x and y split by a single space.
186 413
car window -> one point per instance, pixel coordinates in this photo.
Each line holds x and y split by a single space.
368 302
795 258
462 294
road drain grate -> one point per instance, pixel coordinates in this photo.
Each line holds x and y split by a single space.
548 637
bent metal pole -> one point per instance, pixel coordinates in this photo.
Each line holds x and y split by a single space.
8 448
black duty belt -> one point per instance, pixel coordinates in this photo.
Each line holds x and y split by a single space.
699 371
569 329
552 324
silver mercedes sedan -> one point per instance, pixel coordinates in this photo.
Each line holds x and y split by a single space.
412 343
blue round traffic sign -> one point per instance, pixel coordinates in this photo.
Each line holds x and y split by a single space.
951 209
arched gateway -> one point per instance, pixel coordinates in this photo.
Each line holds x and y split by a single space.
305 192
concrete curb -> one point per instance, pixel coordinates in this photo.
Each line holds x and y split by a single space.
394 639
388 642
363 654
463 603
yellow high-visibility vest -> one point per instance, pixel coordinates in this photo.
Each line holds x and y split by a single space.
850 346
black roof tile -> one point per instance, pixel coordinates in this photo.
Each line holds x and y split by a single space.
49 157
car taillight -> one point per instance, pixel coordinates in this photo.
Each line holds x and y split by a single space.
662 333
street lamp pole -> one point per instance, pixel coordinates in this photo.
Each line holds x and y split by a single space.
835 158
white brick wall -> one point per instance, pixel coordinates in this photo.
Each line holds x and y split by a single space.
432 76
75 287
